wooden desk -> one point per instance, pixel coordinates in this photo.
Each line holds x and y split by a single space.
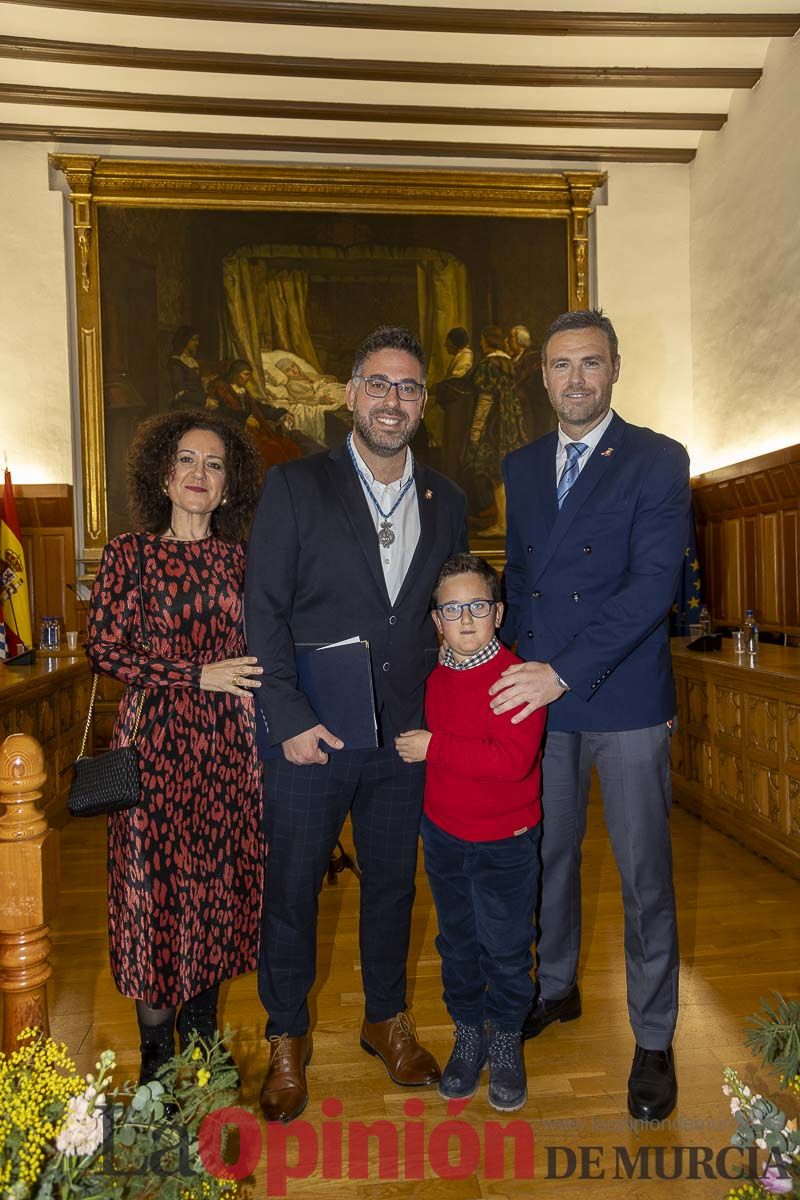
48 701
736 752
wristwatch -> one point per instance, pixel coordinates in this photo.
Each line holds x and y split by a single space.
561 683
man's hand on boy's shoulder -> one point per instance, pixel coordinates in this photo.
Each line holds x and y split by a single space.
412 746
532 684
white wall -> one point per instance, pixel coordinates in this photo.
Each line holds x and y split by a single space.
643 285
745 260
35 428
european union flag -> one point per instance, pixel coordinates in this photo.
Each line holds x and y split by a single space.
689 598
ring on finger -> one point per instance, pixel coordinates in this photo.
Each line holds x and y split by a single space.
236 680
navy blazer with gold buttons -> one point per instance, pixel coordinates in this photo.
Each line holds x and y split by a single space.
590 587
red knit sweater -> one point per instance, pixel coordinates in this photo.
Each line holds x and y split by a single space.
483 775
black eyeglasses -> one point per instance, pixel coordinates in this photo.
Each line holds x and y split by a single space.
453 610
378 388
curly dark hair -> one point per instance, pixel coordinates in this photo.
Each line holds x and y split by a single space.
150 459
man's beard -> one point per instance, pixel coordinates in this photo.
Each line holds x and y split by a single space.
594 408
384 442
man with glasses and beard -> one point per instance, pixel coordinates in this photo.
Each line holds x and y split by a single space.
347 543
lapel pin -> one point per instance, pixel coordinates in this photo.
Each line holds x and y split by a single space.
429 494
607 453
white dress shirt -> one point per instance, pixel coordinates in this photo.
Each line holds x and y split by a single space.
395 559
589 439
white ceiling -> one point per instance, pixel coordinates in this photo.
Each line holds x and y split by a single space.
89 103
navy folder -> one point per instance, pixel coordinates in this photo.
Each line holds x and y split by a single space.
337 682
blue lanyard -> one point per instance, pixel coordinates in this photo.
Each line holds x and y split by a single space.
367 485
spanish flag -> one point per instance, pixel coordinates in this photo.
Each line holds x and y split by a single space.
13 577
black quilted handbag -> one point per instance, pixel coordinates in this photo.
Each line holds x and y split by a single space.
108 783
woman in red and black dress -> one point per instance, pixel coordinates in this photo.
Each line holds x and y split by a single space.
186 864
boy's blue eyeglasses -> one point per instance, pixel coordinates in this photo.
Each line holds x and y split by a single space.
453 610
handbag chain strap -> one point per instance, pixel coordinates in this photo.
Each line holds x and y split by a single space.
146 642
90 714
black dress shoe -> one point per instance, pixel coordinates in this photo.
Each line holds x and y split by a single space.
544 1012
652 1086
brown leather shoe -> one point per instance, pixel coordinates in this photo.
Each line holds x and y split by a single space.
284 1094
395 1042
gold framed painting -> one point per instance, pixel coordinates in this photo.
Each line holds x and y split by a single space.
197 282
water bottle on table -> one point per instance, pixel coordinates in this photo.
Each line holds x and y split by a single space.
705 620
750 633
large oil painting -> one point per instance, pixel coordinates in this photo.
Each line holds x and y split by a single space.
198 288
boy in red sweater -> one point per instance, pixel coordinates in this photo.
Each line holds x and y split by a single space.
480 834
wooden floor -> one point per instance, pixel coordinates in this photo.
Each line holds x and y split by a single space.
740 938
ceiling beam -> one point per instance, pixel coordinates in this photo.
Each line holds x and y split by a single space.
488 74
332 13
313 110
348 146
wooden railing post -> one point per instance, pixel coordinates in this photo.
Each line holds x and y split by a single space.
29 876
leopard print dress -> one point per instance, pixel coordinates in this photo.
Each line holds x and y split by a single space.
185 866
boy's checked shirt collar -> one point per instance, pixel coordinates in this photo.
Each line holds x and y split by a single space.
484 655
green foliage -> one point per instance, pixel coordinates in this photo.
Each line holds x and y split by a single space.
775 1034
149 1148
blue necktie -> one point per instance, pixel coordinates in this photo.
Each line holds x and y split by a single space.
571 471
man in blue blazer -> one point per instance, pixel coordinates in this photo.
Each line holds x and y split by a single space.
598 514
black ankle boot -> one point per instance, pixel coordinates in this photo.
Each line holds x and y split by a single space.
157 1048
199 1016
459 1079
508 1089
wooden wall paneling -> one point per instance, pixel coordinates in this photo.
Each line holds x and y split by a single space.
748 596
762 488
731 552
710 551
748 518
769 599
790 566
54 567
742 494
786 482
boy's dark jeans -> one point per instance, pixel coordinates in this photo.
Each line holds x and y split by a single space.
485 894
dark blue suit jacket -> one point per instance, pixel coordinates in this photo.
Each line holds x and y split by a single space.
590 587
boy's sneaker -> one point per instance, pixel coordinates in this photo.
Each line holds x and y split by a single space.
508 1088
460 1077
